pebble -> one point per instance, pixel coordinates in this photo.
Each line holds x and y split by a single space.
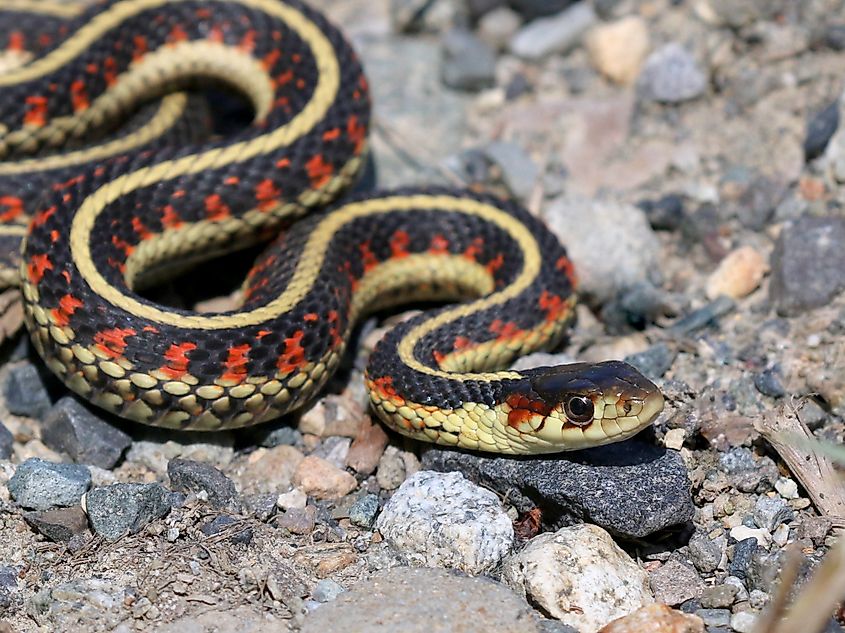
331 416
242 535
413 600
7 441
718 596
60 524
71 428
270 437
391 469
808 264
770 512
820 128
367 448
744 622
269 469
531 9
675 582
321 479
519 171
262 506
468 62
498 26
189 476
617 49
326 590
671 75
768 382
159 448
666 213
125 508
555 34
674 439
656 618
742 554
746 471
738 274
41 485
743 532
758 599
293 498
814 528
363 512
706 553
635 488
578 565
714 617
24 391
334 450
443 520
298 520
586 226
655 361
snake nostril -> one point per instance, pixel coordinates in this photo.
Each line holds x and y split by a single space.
626 407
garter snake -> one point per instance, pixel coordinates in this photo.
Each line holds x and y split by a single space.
99 221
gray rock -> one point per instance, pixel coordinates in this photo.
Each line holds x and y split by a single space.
189 476
414 600
261 505
655 361
443 520
808 264
635 488
741 560
768 382
71 428
556 34
282 435
718 597
706 554
25 392
715 617
672 75
7 441
531 9
125 508
746 472
820 128
764 570
468 63
744 621
363 512
239 531
770 512
61 524
666 213
326 590
586 226
498 27
834 37
518 169
739 13
675 582
41 485
704 316
84 604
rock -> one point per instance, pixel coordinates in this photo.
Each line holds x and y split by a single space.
270 470
332 416
718 597
743 532
84 604
814 528
41 485
655 361
240 532
768 382
820 128
556 34
808 264
635 488
770 512
747 472
675 582
326 590
498 27
714 617
24 391
443 520
787 488
585 226
160 447
367 448
298 520
704 316
705 553
7 441
656 618
579 576
283 435
189 476
334 450
468 63
617 49
741 561
738 274
71 428
294 498
744 622
225 619
61 524
531 9
363 512
519 172
412 600
764 570
125 508
391 469
321 479
671 75
664 214
262 506
674 439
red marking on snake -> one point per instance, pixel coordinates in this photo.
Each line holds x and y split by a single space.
285 78
231 180
495 264
552 305
270 59
439 245
36 114
202 13
399 242
142 231
332 134
346 268
169 218
311 317
215 208
179 193
565 264
67 306
67 184
524 408
294 355
16 41
141 47
267 195
177 360
79 96
368 256
356 132
110 70
249 293
505 329
36 267
461 342
45 40
262 333
334 330
439 357
113 342
215 34
54 236
13 206
319 171
123 245
236 362
474 249
248 41
92 68
384 388
282 163
66 275
150 328
296 58
177 34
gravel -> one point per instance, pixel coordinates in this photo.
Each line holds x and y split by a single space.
71 428
122 508
555 34
672 75
25 392
41 485
820 128
190 476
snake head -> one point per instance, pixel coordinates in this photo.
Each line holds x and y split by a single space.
581 405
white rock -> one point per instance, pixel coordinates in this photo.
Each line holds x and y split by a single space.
293 498
579 576
781 535
442 520
787 488
744 622
674 439
742 532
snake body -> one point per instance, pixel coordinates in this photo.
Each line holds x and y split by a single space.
99 222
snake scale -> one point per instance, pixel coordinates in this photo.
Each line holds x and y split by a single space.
92 211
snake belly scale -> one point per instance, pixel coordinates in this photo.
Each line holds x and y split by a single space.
91 212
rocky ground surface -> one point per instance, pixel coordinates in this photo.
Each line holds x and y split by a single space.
689 155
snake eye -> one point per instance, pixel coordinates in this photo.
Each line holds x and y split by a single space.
579 410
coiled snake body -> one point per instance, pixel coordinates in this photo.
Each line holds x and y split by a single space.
106 216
